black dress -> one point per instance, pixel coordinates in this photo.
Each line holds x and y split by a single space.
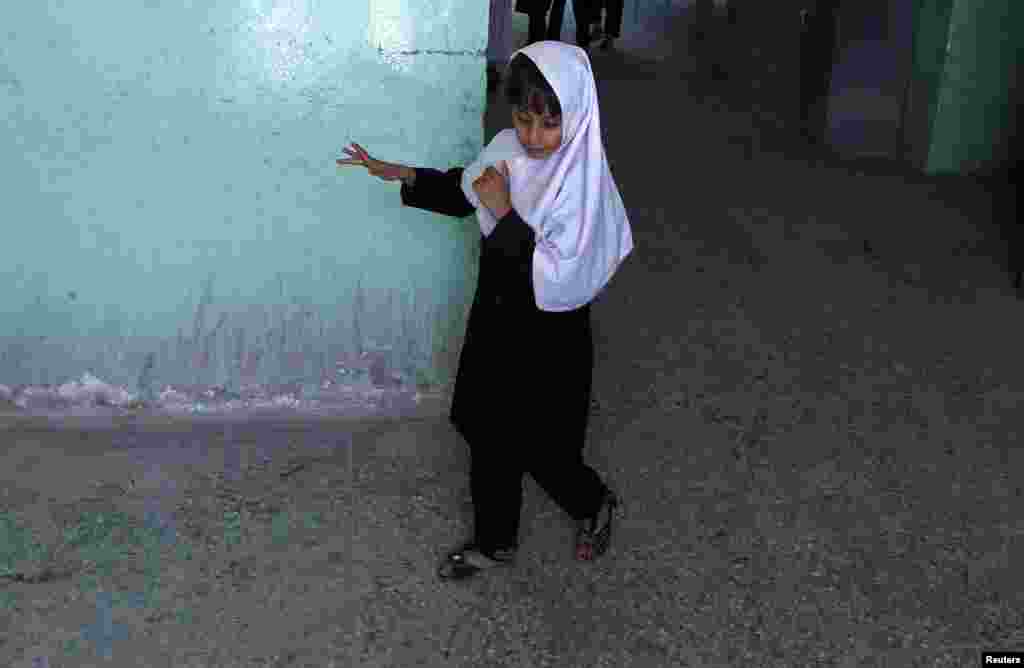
522 390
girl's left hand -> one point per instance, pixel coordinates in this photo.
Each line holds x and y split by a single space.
492 189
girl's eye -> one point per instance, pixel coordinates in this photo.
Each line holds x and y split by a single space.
550 126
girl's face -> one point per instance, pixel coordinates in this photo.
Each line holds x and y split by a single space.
540 135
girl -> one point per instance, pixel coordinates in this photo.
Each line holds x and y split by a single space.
554 232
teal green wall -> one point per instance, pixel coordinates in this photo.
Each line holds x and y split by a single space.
931 36
171 192
971 106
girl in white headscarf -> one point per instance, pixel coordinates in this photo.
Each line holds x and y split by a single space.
554 231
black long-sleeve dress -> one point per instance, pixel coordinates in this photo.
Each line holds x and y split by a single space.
524 377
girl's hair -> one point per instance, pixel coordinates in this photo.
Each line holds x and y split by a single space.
526 89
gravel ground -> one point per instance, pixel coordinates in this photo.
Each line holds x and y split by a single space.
807 393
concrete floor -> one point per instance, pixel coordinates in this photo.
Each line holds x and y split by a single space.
796 347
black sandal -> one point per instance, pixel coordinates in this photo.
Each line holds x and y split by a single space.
593 541
468 560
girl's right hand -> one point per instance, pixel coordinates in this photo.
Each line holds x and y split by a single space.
387 171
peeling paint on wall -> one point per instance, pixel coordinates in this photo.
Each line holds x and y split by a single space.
246 355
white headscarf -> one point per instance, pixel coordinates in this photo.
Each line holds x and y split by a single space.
569 198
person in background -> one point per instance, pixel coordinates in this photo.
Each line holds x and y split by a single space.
612 21
537 10
554 232
703 11
711 41
818 47
596 9
499 41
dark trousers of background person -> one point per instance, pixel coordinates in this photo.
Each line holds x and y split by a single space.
817 55
537 10
703 13
710 35
612 16
1012 175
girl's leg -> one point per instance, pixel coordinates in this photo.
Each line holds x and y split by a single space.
496 482
496 485
559 469
556 452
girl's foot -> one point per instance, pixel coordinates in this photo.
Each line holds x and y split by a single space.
594 534
468 560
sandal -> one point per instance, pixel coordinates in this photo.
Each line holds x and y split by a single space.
468 560
591 541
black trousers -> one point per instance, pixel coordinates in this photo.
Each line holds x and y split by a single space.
817 53
553 29
612 16
542 433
